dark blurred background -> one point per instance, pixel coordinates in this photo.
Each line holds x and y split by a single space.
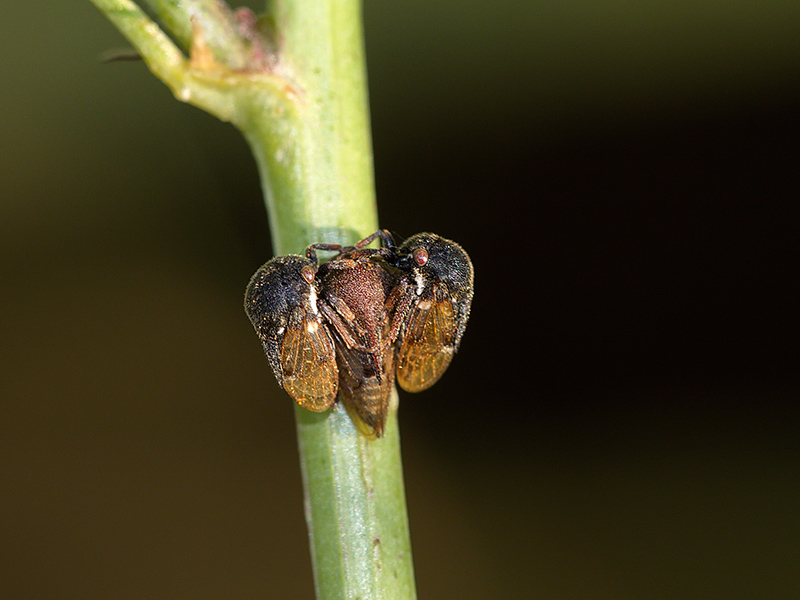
622 419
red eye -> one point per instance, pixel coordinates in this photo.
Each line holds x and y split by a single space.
308 274
420 256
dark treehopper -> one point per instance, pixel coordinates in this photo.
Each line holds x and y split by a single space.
354 289
346 324
431 302
281 302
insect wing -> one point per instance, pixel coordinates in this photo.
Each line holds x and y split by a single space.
428 344
365 395
308 362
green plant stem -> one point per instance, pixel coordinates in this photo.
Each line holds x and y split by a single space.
305 117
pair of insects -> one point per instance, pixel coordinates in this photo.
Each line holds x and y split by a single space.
350 325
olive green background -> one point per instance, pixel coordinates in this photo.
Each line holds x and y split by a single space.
622 419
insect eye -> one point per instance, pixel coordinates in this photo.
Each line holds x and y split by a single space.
420 256
308 273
